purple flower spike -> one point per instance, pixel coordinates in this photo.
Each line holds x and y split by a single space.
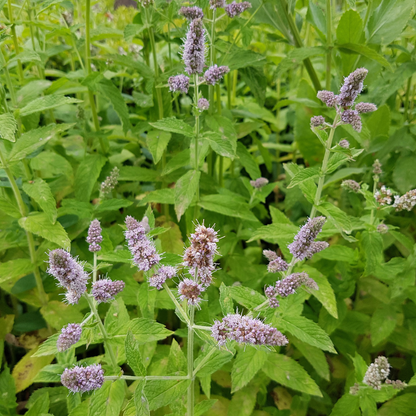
203 104
327 97
317 121
191 13
179 83
259 183
194 48
104 290
69 336
353 85
144 252
289 284
352 117
94 236
377 372
190 290
244 329
366 107
217 4
82 379
163 274
215 73
235 9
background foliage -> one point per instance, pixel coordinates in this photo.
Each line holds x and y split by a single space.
59 151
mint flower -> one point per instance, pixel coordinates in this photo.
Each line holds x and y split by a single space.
191 291
194 48
179 83
191 13
110 182
94 236
235 9
82 379
353 85
69 336
215 73
377 372
104 290
164 273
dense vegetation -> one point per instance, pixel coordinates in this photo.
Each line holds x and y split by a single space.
197 214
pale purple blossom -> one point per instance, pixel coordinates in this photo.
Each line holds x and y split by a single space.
203 104
365 107
215 73
384 197
104 290
82 379
327 97
160 277
351 185
352 117
317 121
353 85
179 83
194 48
289 284
382 229
235 9
217 4
344 143
377 372
94 236
69 336
191 291
191 13
259 183
276 263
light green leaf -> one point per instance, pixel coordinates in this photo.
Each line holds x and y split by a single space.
236 57
296 57
40 192
174 125
180 160
161 196
47 102
304 175
336 215
146 330
112 205
372 244
26 56
177 364
104 32
157 141
347 405
349 28
137 173
226 302
87 174
202 407
133 355
57 314
8 127
243 402
39 224
215 361
367 52
368 405
245 296
404 405
248 162
289 373
185 191
140 400
108 400
382 324
221 144
248 362
41 405
162 392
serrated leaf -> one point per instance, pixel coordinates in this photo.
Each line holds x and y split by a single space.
382 325
112 205
214 363
349 28
185 190
289 373
8 127
141 403
347 405
48 102
58 314
174 125
226 301
245 296
157 141
40 192
372 244
248 162
133 355
136 173
39 224
14 269
108 400
146 330
304 175
163 392
367 52
87 174
221 144
336 215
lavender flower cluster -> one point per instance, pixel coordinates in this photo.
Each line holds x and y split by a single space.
217 4
246 330
69 336
194 48
143 250
104 290
110 182
215 73
377 372
160 277
235 9
406 201
276 263
94 236
259 183
203 104
69 273
383 196
179 83
351 185
191 13
82 379
190 290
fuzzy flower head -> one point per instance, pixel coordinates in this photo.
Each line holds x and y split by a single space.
259 183
215 73
200 254
406 201
94 236
179 83
382 229
289 284
235 9
191 13
216 4
246 330
351 185
163 274
377 168
104 290
82 379
353 85
304 245
377 372
384 196
352 117
69 273
317 121
365 107
69 336
345 144
191 291
327 97
143 250
110 182
276 263
203 104
194 48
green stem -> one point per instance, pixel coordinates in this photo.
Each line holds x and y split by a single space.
406 102
177 304
8 79
375 179
204 360
324 166
196 112
202 328
191 387
299 44
15 42
93 307
32 36
94 270
328 44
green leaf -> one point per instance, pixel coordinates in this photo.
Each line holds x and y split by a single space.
226 302
157 141
243 402
8 392
400 406
368 405
174 125
349 28
113 94
109 399
58 314
177 364
296 57
289 373
8 127
202 407
236 58
133 355
180 160
256 80
221 144
372 244
128 61
40 192
304 175
47 102
367 52
32 140
162 392
39 224
140 400
41 405
103 32
214 363
112 205
26 56
347 405
136 173
307 331
336 215
185 191
146 330
48 347
87 174
382 324
245 296
9 206
248 362
14 269
404 174
248 162
161 196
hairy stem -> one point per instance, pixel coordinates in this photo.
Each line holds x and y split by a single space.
191 387
328 44
373 210
196 110
94 270
177 304
204 360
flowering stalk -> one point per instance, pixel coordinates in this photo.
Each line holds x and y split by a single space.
196 140
328 44
191 387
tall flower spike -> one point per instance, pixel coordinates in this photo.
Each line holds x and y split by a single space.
94 236
69 273
377 167
191 13
289 284
244 329
82 379
191 291
301 246
353 85
200 254
377 372
194 48
69 336
179 83
104 290
235 9
163 274
215 73
110 182
276 264
143 250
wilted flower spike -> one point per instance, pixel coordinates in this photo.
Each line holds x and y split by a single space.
82 379
352 117
191 13
365 107
215 73
69 336
190 290
289 284
317 121
345 144
327 97
164 273
104 290
353 85
377 167
235 9
179 83
384 196
143 250
351 185
244 329
203 104
94 236
377 372
406 201
259 183
194 48
300 248
110 182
